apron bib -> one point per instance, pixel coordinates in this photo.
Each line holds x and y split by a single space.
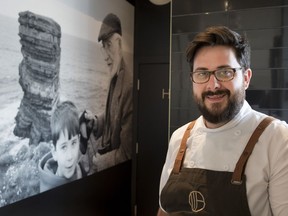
193 191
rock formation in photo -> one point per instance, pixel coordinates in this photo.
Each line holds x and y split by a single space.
39 75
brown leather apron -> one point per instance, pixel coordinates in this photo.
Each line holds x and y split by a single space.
193 191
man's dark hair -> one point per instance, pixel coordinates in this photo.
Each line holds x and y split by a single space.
220 35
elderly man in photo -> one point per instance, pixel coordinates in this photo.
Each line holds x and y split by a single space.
113 128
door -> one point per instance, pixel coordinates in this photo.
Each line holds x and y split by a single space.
152 134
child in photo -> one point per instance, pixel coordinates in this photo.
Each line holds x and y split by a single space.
61 165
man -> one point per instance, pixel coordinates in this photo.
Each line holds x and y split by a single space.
114 127
216 168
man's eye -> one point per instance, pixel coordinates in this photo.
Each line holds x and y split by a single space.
107 44
201 73
226 72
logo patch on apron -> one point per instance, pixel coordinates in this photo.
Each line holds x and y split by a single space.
196 201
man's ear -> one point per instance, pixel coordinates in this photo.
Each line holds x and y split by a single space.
247 77
119 39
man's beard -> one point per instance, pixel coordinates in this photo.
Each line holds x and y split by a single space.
217 114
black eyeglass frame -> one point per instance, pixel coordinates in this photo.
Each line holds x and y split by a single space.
214 73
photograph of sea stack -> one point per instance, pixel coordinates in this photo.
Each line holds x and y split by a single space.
39 75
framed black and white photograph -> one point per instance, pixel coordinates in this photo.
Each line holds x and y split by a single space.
65 92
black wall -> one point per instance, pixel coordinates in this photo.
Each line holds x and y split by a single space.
107 193
151 72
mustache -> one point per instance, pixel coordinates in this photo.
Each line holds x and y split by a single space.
218 92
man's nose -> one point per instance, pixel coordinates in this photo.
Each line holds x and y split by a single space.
213 83
105 53
106 57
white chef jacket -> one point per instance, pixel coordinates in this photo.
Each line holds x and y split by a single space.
219 149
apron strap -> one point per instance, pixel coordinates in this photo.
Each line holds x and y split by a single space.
240 166
179 158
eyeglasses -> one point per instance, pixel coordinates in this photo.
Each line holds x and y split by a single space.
222 75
